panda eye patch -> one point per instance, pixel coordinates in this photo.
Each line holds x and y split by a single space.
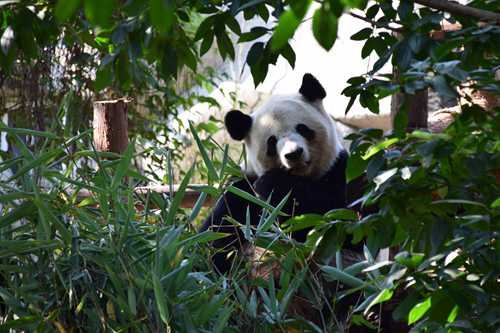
271 146
305 131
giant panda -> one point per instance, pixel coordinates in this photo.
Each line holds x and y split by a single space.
292 146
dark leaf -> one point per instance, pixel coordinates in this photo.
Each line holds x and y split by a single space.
402 55
289 54
372 11
206 43
255 53
103 78
205 27
325 26
442 88
381 62
249 4
168 65
356 80
233 25
405 9
451 69
162 15
401 311
65 9
356 165
368 100
416 42
362 34
374 165
122 70
336 7
225 45
99 12
300 7
351 103
253 34
263 12
369 46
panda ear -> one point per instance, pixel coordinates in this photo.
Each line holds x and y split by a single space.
311 89
237 124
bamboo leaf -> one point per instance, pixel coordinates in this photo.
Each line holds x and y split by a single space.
122 167
176 202
25 210
263 227
335 274
160 298
212 174
43 159
251 198
25 131
204 237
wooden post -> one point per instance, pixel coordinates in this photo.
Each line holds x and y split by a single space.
111 126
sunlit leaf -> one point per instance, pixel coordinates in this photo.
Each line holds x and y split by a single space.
419 310
285 29
161 299
382 296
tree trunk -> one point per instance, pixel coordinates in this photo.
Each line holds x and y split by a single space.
417 110
111 126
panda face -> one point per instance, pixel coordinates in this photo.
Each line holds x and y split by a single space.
292 132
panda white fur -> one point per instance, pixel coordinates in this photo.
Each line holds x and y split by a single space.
296 128
292 147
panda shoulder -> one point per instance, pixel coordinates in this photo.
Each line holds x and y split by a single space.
340 164
342 157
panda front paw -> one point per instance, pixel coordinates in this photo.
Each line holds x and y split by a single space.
276 181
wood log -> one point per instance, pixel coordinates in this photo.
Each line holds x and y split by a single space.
111 126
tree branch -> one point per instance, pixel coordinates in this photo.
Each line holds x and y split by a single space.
377 24
458 9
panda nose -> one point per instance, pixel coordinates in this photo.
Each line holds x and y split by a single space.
294 155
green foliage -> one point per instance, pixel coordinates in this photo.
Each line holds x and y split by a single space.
138 40
95 262
80 249
435 194
325 26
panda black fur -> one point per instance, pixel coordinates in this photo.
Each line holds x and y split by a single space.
292 147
